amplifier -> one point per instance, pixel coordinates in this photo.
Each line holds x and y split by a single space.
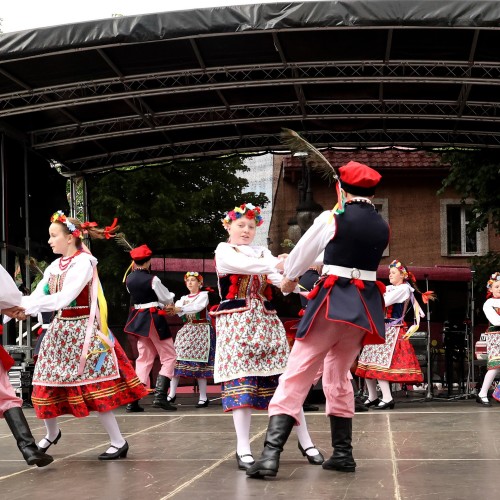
20 353
419 342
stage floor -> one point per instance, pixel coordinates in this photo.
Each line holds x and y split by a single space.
419 450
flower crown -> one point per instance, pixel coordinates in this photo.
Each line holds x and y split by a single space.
60 217
198 276
494 277
402 269
246 210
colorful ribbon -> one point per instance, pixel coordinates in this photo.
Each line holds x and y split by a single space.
108 230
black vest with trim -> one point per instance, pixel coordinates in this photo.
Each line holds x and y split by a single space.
142 322
361 237
139 285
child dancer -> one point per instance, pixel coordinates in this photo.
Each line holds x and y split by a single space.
80 367
195 341
252 349
491 309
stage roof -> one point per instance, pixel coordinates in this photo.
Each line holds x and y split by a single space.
203 83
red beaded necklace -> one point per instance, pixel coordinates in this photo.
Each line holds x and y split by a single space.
64 262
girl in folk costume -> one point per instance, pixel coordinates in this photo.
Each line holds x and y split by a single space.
80 367
147 321
10 404
252 349
395 360
491 309
195 341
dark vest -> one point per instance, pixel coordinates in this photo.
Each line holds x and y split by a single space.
139 285
360 238
141 321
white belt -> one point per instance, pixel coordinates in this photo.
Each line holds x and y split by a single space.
350 272
147 306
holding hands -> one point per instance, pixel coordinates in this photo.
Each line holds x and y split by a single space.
15 312
287 285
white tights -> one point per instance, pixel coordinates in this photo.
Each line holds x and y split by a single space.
107 420
488 380
385 387
242 418
202 386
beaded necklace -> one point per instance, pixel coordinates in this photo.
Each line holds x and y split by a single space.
64 262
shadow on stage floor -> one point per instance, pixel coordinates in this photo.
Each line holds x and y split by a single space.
437 449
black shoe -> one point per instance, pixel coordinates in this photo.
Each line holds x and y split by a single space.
44 449
202 404
359 406
244 465
483 401
119 453
171 400
383 405
134 407
310 407
317 459
369 403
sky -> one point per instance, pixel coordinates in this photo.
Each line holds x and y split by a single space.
20 15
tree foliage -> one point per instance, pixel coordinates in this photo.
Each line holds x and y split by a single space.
474 175
175 209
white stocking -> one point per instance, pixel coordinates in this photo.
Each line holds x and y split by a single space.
173 387
488 380
385 387
371 385
303 435
52 432
202 386
108 421
242 418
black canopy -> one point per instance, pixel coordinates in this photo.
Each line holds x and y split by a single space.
189 84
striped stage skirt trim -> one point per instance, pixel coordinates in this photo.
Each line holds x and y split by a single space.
248 392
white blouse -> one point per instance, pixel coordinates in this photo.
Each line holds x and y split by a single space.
489 311
190 304
247 259
10 296
79 273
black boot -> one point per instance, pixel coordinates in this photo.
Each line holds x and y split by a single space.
134 407
160 397
342 449
25 442
278 430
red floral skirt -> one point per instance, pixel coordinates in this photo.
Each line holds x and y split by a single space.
404 367
50 401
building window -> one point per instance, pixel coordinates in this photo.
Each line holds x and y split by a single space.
382 206
455 241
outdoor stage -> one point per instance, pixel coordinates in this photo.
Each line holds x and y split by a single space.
438 449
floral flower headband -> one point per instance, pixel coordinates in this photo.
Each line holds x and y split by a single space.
60 217
402 269
246 210
198 276
494 277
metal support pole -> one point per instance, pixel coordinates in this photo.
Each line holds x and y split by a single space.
27 243
430 395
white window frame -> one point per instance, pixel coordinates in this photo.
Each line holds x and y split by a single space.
383 203
481 236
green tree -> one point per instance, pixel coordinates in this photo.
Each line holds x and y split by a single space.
474 175
175 209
